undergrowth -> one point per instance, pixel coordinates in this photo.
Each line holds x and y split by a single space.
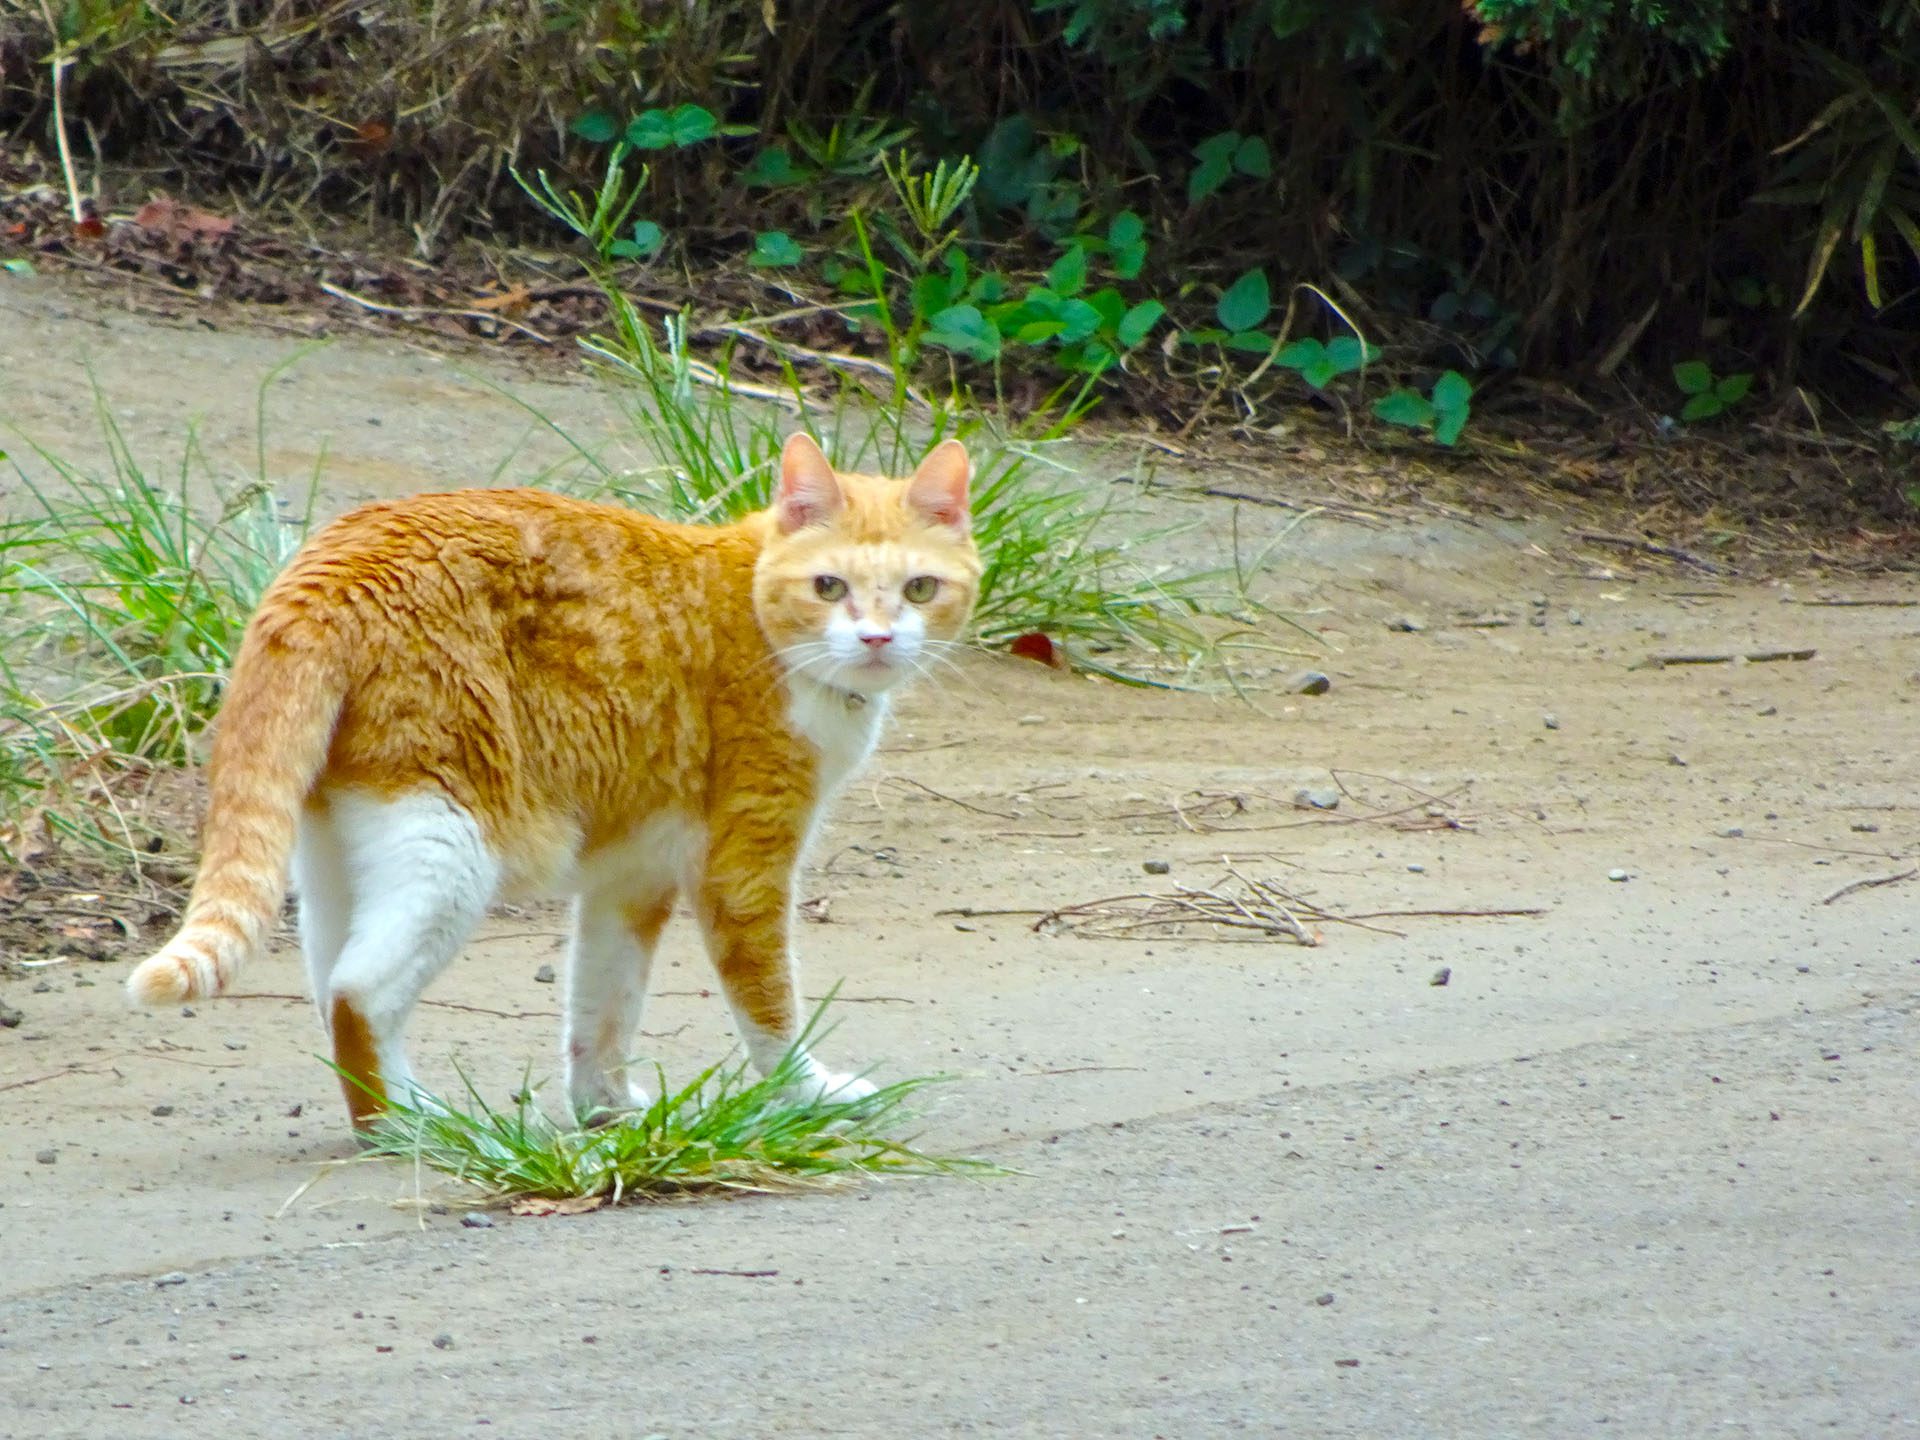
124 597
722 1131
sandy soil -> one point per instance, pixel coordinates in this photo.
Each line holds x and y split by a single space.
1645 1165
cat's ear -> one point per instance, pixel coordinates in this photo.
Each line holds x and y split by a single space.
810 492
938 489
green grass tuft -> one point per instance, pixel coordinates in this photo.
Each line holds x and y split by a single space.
724 1131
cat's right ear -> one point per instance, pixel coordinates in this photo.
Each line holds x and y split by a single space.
809 492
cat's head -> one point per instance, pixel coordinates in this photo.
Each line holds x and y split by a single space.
863 580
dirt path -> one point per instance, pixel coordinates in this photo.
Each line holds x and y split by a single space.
1645 1165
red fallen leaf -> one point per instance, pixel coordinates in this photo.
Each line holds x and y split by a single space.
1035 646
167 217
370 138
89 227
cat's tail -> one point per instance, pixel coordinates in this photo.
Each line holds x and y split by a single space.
273 734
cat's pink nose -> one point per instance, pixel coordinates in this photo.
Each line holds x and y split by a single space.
875 642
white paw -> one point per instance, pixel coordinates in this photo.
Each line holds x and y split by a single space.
826 1087
600 1100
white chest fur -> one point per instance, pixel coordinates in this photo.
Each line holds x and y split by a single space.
843 733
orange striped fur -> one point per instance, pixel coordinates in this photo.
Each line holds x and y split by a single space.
560 696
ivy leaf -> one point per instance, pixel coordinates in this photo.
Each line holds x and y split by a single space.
1732 388
1080 319
1126 230
965 329
599 126
650 130
1128 260
1451 392
1138 322
647 240
1702 406
932 293
1404 407
1038 332
1346 352
1068 276
1206 178
1693 377
1251 342
1252 158
1111 305
1246 303
1448 425
774 248
1299 354
1320 374
690 124
773 166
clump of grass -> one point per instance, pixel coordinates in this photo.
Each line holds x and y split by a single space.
724 1131
124 602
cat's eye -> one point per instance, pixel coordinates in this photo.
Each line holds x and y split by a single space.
920 589
829 587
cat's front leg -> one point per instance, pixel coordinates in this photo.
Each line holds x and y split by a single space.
746 913
607 968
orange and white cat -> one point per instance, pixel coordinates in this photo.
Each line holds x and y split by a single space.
450 697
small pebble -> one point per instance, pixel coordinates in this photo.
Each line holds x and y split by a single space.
1552 722
1677 759
1732 832
544 975
443 1341
1574 617
187 1012
161 1110
1617 875
1346 1364
1324 1298
10 1017
1768 710
1441 976
1804 969
47 1157
293 1111
1033 719
172 1277
1406 624
234 1044
1864 827
1416 869
1316 798
1308 682
474 1220
1156 867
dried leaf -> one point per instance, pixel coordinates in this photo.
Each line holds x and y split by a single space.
1035 646
567 1205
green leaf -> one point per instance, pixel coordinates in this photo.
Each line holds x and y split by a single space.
1702 407
1448 424
1218 148
647 240
1138 322
17 267
1206 178
1250 342
1451 392
690 124
1404 407
599 126
1038 332
1732 388
1319 375
1081 320
1208 336
773 166
650 130
1253 159
1126 230
1298 354
1068 276
1128 260
1693 377
931 293
1111 305
773 248
965 329
1246 303
1346 352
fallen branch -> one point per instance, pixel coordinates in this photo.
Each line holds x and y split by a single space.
408 312
1648 547
1715 657
1869 884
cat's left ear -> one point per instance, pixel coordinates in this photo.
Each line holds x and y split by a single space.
938 489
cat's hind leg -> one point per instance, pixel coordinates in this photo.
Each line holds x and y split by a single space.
422 876
607 968
321 881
